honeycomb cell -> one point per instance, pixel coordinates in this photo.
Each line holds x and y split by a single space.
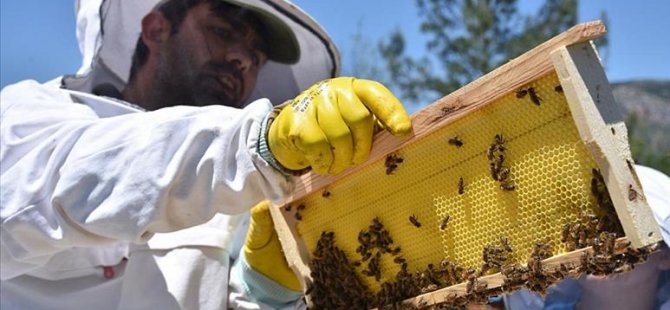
549 166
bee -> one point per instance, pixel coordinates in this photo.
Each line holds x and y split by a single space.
500 139
325 193
490 152
534 96
595 173
565 233
461 186
457 301
507 186
472 279
498 162
393 159
501 147
429 288
503 173
444 223
414 221
298 216
399 260
521 93
632 194
608 240
591 220
395 251
391 163
494 171
456 141
541 250
376 224
288 208
505 243
301 207
558 89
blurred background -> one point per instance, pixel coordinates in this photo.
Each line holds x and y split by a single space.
422 49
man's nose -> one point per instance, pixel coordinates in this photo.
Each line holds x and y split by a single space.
240 57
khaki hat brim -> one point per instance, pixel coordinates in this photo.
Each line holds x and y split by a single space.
282 43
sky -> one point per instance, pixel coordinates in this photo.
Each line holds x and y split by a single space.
37 39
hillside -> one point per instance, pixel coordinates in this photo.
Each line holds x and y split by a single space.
647 108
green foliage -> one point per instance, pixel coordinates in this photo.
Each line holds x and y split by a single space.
469 38
641 135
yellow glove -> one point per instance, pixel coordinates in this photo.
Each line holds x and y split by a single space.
263 251
330 125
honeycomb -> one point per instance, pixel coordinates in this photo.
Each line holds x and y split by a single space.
549 166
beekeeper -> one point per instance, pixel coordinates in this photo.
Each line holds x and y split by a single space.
127 185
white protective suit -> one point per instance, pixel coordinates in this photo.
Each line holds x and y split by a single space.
103 204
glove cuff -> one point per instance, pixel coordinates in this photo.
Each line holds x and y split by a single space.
264 150
262 288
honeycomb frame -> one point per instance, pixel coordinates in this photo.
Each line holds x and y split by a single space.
586 103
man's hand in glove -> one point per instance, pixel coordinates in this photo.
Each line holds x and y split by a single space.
263 252
330 126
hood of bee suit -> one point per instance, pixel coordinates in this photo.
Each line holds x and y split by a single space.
107 31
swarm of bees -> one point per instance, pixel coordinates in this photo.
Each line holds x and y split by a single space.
392 162
538 279
337 281
335 284
495 256
496 156
608 221
378 239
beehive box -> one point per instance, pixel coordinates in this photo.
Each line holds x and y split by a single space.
516 155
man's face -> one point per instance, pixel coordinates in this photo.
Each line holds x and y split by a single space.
210 60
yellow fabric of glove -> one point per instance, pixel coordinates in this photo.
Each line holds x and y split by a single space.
330 125
263 251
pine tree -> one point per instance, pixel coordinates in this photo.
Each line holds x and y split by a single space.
467 39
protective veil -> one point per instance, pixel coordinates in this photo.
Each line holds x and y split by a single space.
106 206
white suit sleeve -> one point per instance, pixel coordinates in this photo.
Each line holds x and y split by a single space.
70 178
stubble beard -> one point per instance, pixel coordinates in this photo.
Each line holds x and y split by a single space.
179 81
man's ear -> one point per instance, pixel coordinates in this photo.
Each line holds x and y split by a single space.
155 29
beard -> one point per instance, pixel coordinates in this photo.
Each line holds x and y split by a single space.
180 81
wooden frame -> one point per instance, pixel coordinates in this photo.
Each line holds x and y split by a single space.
591 102
601 126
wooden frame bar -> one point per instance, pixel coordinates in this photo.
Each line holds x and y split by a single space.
601 126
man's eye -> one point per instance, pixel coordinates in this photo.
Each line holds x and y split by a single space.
221 32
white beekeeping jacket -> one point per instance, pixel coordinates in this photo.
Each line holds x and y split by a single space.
99 198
